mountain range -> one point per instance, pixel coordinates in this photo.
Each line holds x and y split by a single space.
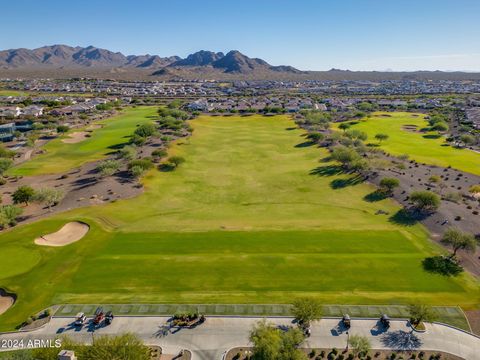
62 61
68 57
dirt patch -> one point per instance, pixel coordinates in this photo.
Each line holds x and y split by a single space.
69 233
76 137
411 128
6 301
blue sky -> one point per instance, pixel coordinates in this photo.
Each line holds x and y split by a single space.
308 34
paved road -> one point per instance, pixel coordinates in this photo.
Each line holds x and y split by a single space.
210 340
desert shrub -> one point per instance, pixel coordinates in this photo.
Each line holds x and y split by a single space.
145 164
108 167
145 130
128 152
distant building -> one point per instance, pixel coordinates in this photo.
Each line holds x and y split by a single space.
7 132
10 112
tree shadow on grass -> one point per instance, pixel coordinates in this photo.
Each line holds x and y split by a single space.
375 196
342 183
442 265
305 144
117 146
166 167
432 136
403 217
327 170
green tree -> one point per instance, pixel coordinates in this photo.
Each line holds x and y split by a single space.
175 161
159 153
289 349
459 240
474 189
307 309
23 194
424 201
121 347
266 341
440 127
138 140
360 345
5 164
128 152
355 134
61 129
270 343
48 196
175 104
419 313
435 179
145 130
136 171
108 167
145 164
381 137
344 126
467 139
315 137
387 185
9 214
6 153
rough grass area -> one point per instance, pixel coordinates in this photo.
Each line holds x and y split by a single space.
250 217
62 157
407 135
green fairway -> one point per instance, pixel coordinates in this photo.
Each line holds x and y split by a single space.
5 92
60 156
252 216
423 147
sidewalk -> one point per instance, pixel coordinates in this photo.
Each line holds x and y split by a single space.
218 334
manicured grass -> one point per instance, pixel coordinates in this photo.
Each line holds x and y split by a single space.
423 147
252 216
61 157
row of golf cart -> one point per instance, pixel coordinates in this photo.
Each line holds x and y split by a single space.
99 317
384 321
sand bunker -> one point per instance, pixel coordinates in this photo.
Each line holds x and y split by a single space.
411 128
6 301
76 137
69 233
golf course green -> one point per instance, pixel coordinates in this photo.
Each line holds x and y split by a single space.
255 215
61 156
406 137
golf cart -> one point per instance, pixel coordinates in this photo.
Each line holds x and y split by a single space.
108 318
98 316
346 321
80 319
385 321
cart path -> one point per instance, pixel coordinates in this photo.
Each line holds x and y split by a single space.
218 334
